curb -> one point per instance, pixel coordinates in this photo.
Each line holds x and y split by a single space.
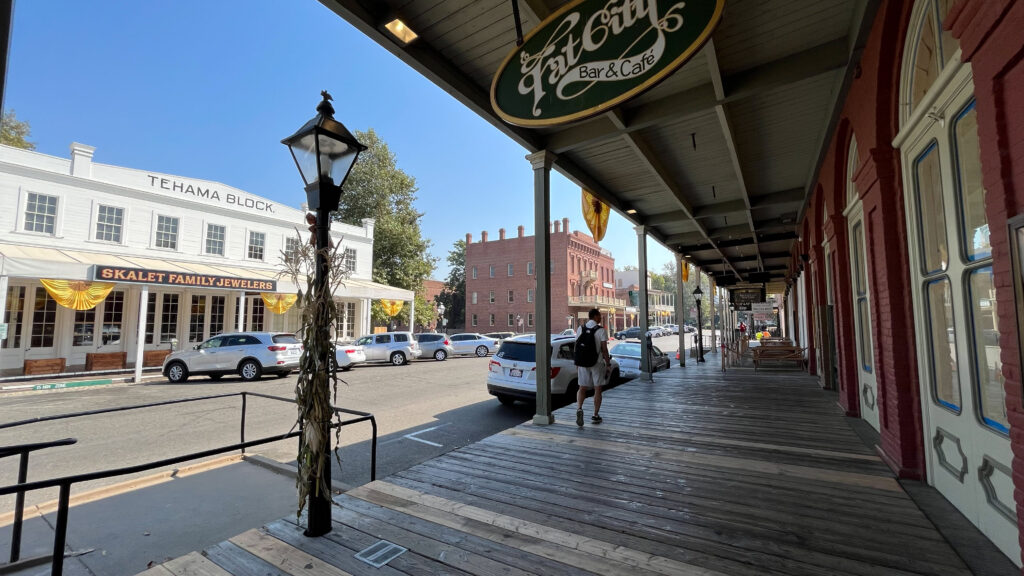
288 470
51 385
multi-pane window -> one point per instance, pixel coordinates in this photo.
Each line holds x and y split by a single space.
474 272
474 319
492 319
291 249
863 311
196 318
150 318
511 319
510 296
215 234
113 317
257 243
529 294
350 260
44 320
349 324
257 315
109 223
473 298
217 304
169 318
166 232
942 332
492 271
40 213
13 316
510 269
529 319
491 297
85 325
529 268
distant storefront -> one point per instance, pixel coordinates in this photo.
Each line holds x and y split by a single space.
86 249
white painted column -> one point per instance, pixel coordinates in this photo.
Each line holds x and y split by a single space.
140 335
412 314
679 308
541 162
241 312
3 302
645 355
367 317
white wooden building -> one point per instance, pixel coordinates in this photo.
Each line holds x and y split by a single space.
71 219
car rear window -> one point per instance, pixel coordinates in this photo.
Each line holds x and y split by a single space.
518 351
627 350
401 337
285 339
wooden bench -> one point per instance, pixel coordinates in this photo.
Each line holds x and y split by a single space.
778 354
154 357
44 366
95 361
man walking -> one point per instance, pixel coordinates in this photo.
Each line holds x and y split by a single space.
592 361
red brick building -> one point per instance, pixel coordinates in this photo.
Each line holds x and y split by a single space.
906 239
501 281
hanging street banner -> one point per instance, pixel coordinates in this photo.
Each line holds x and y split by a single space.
592 55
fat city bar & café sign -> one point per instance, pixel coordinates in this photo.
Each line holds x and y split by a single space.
188 279
592 55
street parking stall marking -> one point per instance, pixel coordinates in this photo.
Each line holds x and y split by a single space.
413 436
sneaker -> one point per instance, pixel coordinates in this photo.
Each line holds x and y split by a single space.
579 418
595 419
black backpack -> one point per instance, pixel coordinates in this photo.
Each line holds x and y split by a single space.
586 347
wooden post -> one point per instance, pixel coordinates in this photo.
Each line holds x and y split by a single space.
542 162
645 354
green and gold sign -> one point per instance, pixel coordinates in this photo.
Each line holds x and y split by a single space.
592 55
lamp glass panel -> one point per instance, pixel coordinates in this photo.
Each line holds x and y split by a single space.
336 157
304 152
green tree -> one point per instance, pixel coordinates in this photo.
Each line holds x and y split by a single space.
14 132
377 188
453 296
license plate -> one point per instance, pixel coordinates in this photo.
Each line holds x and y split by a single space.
515 373
293 352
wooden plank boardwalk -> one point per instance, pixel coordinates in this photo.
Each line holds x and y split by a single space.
699 473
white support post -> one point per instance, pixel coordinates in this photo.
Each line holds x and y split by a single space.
645 354
140 336
542 162
241 313
412 314
3 303
680 288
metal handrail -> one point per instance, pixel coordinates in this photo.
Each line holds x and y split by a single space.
19 499
64 483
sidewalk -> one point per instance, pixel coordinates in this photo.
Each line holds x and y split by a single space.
50 382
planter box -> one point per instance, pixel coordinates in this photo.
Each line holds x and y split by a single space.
154 357
105 361
46 366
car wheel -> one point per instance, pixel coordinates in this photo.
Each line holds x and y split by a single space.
506 400
440 355
397 359
281 374
614 378
347 368
572 390
216 377
481 351
250 370
177 372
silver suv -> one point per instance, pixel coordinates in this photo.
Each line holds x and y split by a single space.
436 346
248 354
394 347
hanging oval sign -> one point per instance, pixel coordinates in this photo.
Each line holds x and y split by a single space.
592 55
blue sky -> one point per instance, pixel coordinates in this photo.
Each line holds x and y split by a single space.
207 90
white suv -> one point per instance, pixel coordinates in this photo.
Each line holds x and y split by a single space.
512 373
248 354
394 347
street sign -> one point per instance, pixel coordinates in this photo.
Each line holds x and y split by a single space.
593 55
761 307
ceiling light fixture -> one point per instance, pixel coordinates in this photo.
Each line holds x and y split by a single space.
631 211
400 31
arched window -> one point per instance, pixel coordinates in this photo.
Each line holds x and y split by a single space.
852 162
929 47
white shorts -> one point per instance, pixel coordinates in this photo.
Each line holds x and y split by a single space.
592 377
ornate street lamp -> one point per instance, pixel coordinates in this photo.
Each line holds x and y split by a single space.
697 293
324 152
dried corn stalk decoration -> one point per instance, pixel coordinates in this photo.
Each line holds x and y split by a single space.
316 392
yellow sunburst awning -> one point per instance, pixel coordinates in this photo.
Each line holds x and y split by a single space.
77 294
595 213
278 303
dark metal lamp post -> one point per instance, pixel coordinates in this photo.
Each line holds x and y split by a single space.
324 152
697 293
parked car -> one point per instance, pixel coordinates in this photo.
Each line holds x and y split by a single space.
347 355
568 332
627 354
436 346
672 328
394 347
499 337
689 329
628 333
512 373
471 343
248 354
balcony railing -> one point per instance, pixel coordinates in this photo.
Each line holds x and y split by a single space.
586 275
596 301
